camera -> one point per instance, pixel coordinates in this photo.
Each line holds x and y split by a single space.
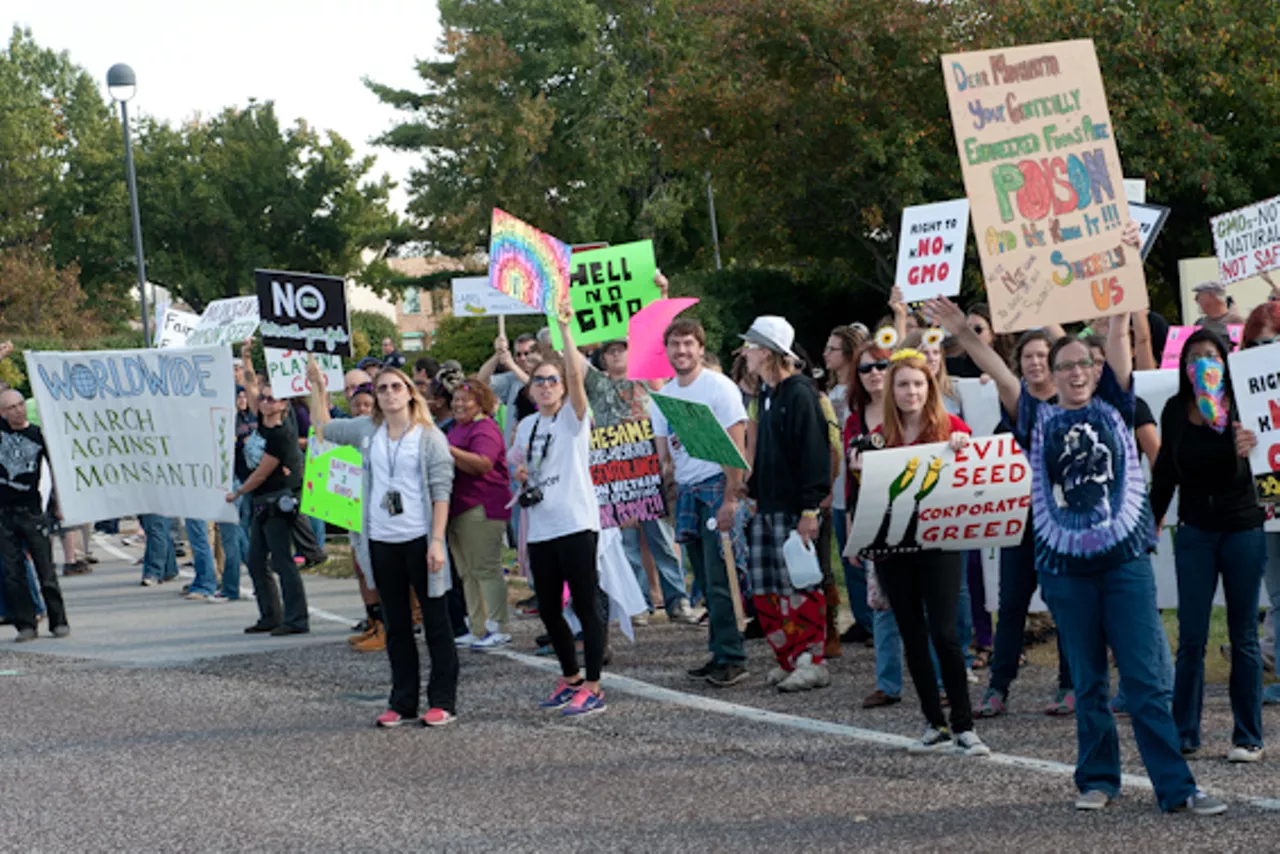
530 496
286 504
868 442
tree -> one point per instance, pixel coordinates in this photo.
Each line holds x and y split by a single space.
39 299
470 339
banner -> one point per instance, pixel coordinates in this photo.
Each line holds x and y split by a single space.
1247 241
1041 170
647 351
696 428
626 473
607 287
301 311
138 431
225 321
928 497
288 371
472 297
175 327
931 244
526 264
1255 381
332 485
1150 220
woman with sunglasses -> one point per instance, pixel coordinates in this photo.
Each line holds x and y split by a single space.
552 451
1093 532
406 481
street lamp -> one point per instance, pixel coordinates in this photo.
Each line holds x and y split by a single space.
711 203
122 83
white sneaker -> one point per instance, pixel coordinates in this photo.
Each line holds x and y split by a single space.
933 740
491 626
971 745
1092 800
641 619
1245 753
465 640
492 641
776 676
684 615
806 676
971 676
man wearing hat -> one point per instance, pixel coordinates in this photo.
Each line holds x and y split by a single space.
1216 315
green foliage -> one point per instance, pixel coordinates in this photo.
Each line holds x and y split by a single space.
470 340
372 328
12 367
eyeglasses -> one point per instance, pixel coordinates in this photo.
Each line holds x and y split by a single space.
882 365
523 354
384 388
266 398
545 380
1068 367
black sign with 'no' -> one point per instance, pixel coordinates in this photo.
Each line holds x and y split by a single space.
301 311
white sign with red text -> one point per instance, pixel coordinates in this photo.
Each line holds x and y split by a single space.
931 246
1247 241
930 497
288 371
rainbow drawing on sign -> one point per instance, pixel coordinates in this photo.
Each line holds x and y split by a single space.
527 264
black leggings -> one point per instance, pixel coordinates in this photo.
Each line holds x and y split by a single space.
924 592
571 560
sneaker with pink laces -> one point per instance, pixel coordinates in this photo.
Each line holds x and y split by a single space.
390 718
584 703
561 696
438 717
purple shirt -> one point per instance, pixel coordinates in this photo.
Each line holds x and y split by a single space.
492 491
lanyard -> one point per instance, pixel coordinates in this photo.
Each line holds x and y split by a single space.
392 456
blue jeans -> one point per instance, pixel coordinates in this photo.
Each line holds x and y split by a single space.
158 561
1117 606
206 580
855 579
1018 580
1239 557
235 547
724 641
1272 577
317 528
33 584
658 534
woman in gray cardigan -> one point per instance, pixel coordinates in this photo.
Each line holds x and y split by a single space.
405 487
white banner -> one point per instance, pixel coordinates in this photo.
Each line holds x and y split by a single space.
1247 241
226 321
1255 381
931 246
473 297
138 431
288 371
175 326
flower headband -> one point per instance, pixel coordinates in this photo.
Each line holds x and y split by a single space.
886 337
906 353
932 337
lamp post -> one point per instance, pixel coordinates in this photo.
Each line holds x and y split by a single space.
122 83
711 204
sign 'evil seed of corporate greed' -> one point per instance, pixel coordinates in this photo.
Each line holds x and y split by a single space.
138 431
1247 241
301 311
1043 178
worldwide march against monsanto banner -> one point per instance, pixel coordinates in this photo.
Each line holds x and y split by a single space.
931 244
929 497
138 431
301 311
1247 241
1255 381
626 473
1043 177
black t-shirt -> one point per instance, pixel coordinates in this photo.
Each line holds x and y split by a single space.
963 366
20 455
282 443
246 421
524 405
1141 414
393 360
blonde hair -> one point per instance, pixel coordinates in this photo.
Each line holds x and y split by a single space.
935 424
419 412
915 341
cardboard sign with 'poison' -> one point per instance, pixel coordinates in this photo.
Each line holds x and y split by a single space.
301 311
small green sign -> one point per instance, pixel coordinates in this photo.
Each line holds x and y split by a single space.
332 484
607 286
695 425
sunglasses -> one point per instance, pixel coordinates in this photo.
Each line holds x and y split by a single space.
1067 367
545 380
266 398
523 354
882 365
384 388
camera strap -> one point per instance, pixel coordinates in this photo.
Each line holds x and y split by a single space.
546 448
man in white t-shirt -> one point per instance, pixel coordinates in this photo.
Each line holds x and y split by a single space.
704 491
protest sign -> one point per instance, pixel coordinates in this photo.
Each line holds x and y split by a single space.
301 311
288 371
931 247
1247 241
647 351
929 497
695 427
225 321
608 286
138 431
175 326
1135 190
332 485
1150 219
626 473
526 264
1255 382
472 297
1178 336
1043 177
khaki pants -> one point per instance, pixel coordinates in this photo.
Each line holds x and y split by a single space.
475 544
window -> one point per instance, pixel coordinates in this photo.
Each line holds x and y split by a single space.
412 302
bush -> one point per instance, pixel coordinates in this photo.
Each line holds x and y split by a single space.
470 339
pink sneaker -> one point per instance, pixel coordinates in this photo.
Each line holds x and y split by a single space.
390 718
438 717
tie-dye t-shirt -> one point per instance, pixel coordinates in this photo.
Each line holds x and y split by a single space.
1088 495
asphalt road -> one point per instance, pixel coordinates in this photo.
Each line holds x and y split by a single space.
160 727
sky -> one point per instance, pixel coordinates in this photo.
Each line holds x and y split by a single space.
198 57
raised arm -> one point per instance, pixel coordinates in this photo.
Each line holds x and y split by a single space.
319 405
250 375
575 382
1144 359
1119 351
898 306
949 316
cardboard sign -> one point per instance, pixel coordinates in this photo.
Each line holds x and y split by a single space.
527 265
1247 241
607 287
1255 381
175 326
472 297
695 425
929 497
931 247
288 371
332 485
1043 177
225 321
138 431
1150 219
301 311
647 351
626 473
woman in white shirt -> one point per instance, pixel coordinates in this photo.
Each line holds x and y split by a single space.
553 447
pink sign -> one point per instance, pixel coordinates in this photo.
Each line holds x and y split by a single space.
1178 336
647 353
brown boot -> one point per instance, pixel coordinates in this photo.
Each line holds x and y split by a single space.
361 637
831 649
376 642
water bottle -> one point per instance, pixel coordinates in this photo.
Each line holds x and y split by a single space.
802 562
